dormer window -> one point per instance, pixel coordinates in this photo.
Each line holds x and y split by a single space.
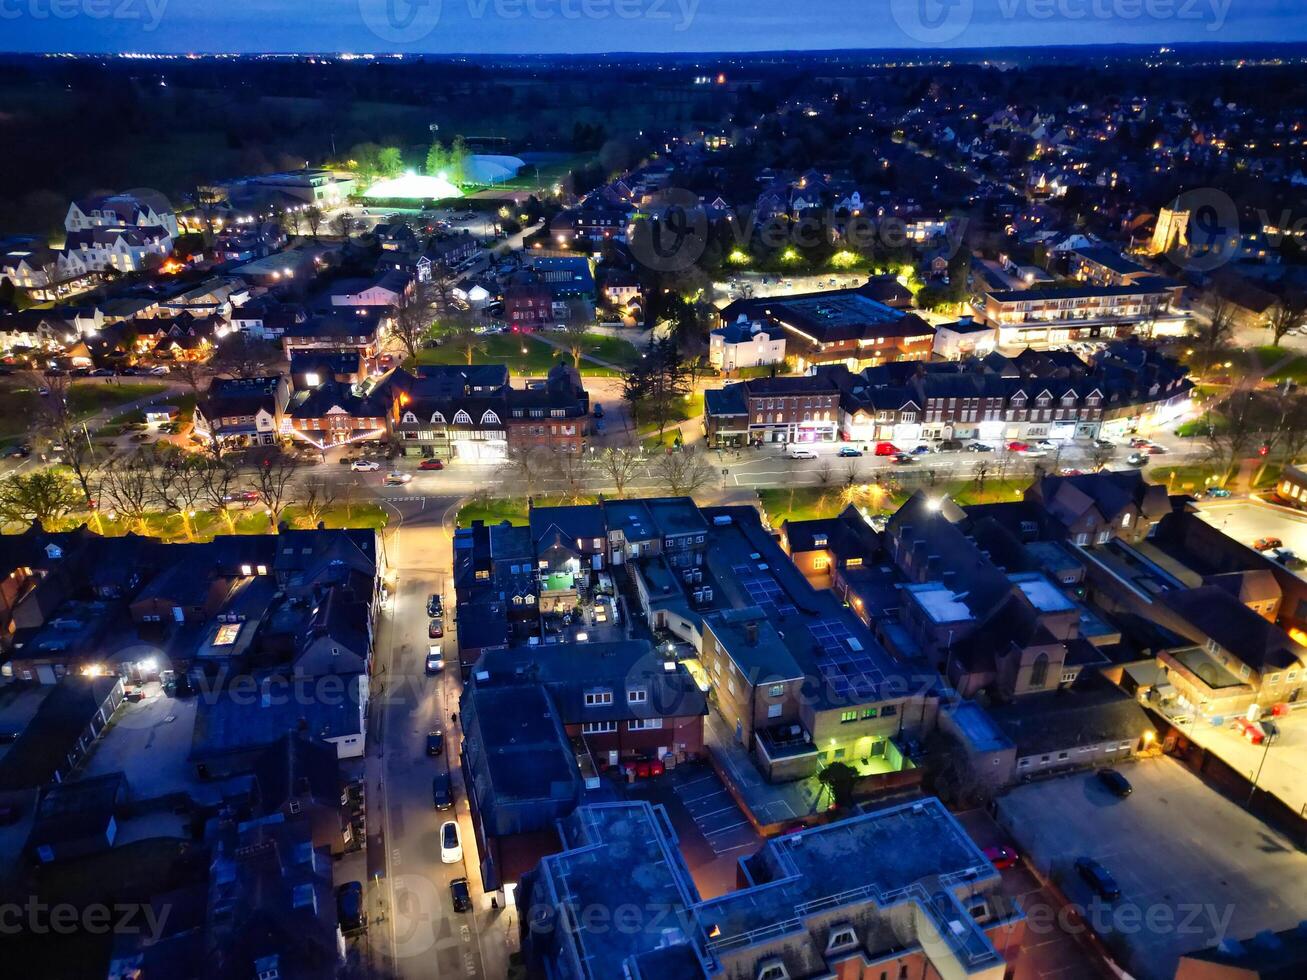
773 969
637 695
594 699
842 937
819 540
462 418
438 419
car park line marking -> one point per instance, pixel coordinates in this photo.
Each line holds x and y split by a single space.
706 796
722 830
703 816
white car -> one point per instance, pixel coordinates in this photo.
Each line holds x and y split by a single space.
364 465
802 454
159 370
395 478
451 848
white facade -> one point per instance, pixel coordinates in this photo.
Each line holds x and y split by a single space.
118 211
954 341
759 349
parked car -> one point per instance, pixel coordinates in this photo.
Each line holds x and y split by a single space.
1114 782
1284 556
431 464
1139 443
451 847
435 659
1266 544
102 373
1250 730
397 479
1018 447
1098 878
436 628
598 410
435 605
949 446
159 370
442 791
18 452
979 447
436 742
849 451
886 449
458 891
919 450
1001 856
349 907
1045 444
364 465
800 453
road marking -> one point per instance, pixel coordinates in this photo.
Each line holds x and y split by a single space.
706 796
722 830
704 816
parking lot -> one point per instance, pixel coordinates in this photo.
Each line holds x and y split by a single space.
714 832
1247 520
1193 868
1280 768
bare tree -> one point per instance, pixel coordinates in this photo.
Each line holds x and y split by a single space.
980 475
274 482
575 339
318 497
1232 439
313 218
620 466
1214 336
572 471
218 481
415 317
241 356
129 488
176 486
683 473
189 372
1288 314
825 473
529 466
467 342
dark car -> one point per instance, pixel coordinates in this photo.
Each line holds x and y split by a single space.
949 446
979 447
458 891
598 411
349 907
18 452
435 605
442 791
436 742
435 629
903 458
1115 783
849 451
1098 878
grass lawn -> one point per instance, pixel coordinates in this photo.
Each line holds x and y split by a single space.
528 356
245 520
88 398
813 503
682 411
492 510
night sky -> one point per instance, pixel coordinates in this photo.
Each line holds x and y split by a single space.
586 26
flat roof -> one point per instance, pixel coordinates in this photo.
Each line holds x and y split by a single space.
979 728
1042 593
941 604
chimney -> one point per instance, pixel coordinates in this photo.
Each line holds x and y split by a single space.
751 634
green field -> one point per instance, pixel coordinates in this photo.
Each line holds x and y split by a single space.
20 404
529 357
812 503
493 510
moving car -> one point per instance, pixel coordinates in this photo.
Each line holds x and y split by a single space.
1266 544
435 605
903 458
1001 856
979 447
598 410
1098 878
349 907
458 891
18 452
435 628
431 464
1250 730
435 659
886 449
1137 459
364 465
451 847
919 450
1217 492
1154 449
436 742
1045 444
395 478
848 451
442 791
1115 783
798 453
